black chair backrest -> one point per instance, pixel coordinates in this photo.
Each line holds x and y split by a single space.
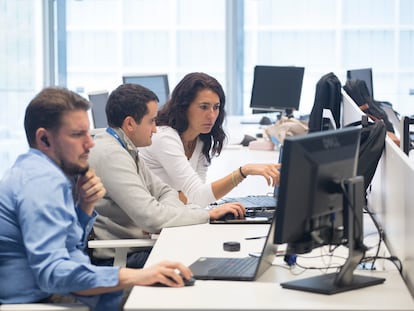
358 91
327 96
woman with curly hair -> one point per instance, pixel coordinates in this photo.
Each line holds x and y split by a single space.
189 134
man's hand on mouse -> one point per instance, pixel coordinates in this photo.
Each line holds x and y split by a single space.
236 208
167 273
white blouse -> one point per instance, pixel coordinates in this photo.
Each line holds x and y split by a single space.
166 158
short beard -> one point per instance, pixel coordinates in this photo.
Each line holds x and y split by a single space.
73 170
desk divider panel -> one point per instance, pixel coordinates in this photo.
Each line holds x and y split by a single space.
391 197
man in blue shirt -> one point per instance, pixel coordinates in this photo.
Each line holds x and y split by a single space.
47 202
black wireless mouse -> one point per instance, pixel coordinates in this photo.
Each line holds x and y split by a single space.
187 282
247 139
265 121
228 216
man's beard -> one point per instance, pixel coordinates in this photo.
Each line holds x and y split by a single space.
74 169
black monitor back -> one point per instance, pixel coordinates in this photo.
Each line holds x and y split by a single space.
310 201
276 88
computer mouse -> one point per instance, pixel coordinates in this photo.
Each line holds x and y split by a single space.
228 216
187 282
247 139
265 121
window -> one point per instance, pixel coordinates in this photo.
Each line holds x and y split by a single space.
106 39
110 39
21 73
334 36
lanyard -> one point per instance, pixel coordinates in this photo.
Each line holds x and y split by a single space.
111 131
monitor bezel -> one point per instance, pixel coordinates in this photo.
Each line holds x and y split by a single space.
302 171
98 108
284 79
348 231
126 78
364 74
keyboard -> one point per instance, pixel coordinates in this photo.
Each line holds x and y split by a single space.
254 201
268 213
228 267
236 266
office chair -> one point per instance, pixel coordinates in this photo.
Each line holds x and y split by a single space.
327 97
44 307
121 247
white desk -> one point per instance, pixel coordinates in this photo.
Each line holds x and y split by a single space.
188 243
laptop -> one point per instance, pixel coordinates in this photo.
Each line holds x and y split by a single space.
236 269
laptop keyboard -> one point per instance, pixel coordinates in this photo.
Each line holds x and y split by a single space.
260 213
254 201
235 266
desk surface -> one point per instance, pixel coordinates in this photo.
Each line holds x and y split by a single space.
188 243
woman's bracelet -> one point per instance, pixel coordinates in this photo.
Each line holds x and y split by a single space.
241 172
236 180
232 179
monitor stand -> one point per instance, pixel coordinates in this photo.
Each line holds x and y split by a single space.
344 280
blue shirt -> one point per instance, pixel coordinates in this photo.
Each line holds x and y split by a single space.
43 234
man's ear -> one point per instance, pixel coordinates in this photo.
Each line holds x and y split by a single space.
129 124
45 140
42 139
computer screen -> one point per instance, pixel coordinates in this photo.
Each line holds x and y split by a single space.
158 83
364 74
98 101
277 88
320 203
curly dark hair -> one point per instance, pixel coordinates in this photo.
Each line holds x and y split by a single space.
174 112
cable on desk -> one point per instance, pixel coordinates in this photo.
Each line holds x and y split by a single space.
395 260
328 265
380 231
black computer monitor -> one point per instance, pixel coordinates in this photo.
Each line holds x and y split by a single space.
98 101
320 202
407 135
276 88
364 74
158 83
